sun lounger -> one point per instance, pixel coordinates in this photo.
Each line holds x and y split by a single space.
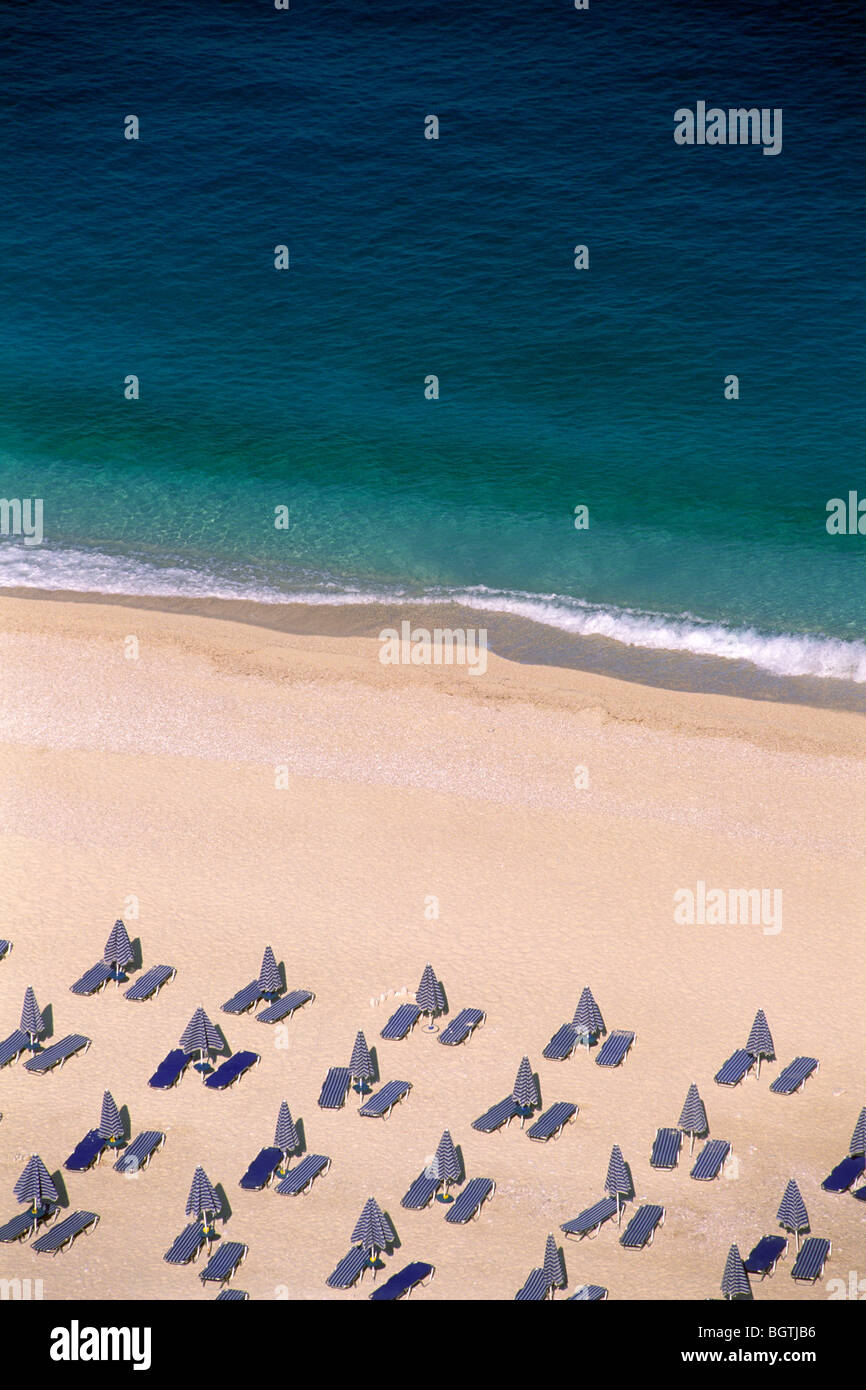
562 1044
335 1088
380 1105
471 1200
244 999
261 1170
224 1263
11 1049
24 1225
845 1174
588 1293
58 1054
140 1151
762 1259
809 1264
795 1076
231 1070
403 1283
93 980
301 1179
64 1232
85 1154
349 1268
401 1023
5 948
187 1245
498 1115
535 1290
232 1296
285 1007
421 1193
148 985
461 1028
590 1221
859 1196
551 1124
666 1148
710 1160
171 1069
614 1049
738 1065
642 1227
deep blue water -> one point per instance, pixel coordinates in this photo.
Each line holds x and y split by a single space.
454 257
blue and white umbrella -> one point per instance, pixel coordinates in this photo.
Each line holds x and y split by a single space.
792 1214
446 1163
201 1036
618 1181
373 1231
553 1267
202 1201
286 1135
361 1063
525 1092
693 1119
270 979
110 1123
34 1188
735 1280
858 1138
588 1019
760 1040
118 951
429 995
32 1021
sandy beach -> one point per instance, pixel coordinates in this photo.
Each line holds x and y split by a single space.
220 786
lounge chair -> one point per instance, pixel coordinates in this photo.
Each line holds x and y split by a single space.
738 1065
845 1174
11 1049
261 1171
187 1245
231 1070
224 1263
58 1054
762 1260
809 1264
171 1069
93 980
349 1268
562 1044
64 1232
401 1023
301 1178
642 1227
471 1200
795 1076
244 999
335 1088
232 1296
710 1160
380 1105
285 1007
590 1221
551 1124
85 1154
666 1148
461 1028
535 1290
614 1049
403 1283
421 1193
24 1224
859 1196
140 1151
498 1115
148 985
588 1293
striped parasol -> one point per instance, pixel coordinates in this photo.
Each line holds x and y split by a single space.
429 995
693 1120
554 1268
525 1093
32 1021
858 1138
587 1016
118 951
618 1180
361 1064
792 1214
446 1164
202 1200
34 1187
735 1280
201 1036
270 979
373 1231
110 1123
285 1135
760 1040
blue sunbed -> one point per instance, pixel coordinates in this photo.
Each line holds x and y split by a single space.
24 1224
562 1044
85 1154
738 1065
809 1264
335 1088
551 1124
301 1179
261 1170
232 1296
642 1227
421 1193
93 980
615 1048
461 1028
795 1076
860 1196
349 1268
231 1070
762 1260
401 1023
592 1219
535 1290
845 1174
380 1105
498 1115
58 1054
224 1263
136 1158
244 999
403 1282
187 1245
14 1045
148 985
171 1069
285 1007
64 1232
469 1203
710 1160
666 1148
588 1293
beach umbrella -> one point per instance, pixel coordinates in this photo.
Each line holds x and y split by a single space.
858 1138
361 1064
32 1021
554 1269
792 1214
617 1182
735 1280
446 1164
587 1016
200 1035
118 951
202 1199
285 1135
760 1040
34 1187
373 1231
429 995
270 979
110 1124
525 1092
693 1120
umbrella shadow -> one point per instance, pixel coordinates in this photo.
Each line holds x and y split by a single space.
302 1140
225 1050
48 1020
125 1120
458 1149
225 1205
62 1193
137 957
282 973
396 1243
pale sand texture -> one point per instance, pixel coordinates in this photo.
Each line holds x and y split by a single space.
156 778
